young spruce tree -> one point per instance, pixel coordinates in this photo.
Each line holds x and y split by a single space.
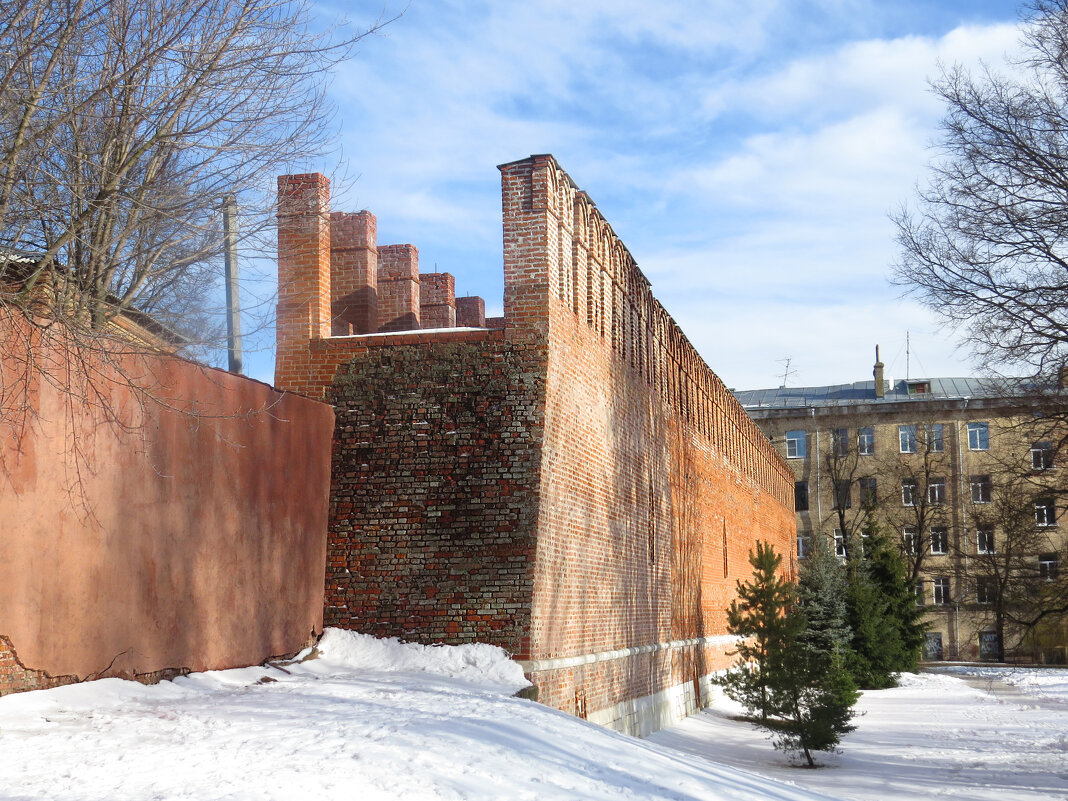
800 686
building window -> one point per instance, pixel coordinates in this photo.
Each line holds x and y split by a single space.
984 539
982 489
804 545
979 436
919 387
941 590
921 597
843 495
839 544
868 492
795 445
865 441
1045 512
1041 455
907 437
801 496
910 537
935 442
840 441
985 589
1048 566
939 540
908 492
936 490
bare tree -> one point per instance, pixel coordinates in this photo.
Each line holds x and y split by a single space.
916 504
1012 566
123 123
854 489
986 247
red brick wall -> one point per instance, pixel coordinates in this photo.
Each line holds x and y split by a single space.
158 518
574 482
655 484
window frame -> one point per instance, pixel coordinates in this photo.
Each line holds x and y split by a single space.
1049 566
909 488
943 595
907 438
982 488
1046 513
910 538
839 544
866 441
934 434
979 436
798 444
936 491
1042 455
942 535
920 592
984 540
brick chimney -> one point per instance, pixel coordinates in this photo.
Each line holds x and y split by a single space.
880 384
398 288
303 270
354 272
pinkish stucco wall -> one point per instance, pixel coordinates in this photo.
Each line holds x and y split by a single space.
186 532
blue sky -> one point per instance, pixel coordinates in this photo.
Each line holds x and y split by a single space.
748 154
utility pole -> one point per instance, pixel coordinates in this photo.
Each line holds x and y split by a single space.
233 306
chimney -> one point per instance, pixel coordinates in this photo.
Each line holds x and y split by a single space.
880 384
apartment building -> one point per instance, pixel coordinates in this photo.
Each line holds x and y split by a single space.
963 472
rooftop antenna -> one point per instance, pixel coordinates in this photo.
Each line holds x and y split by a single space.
787 372
907 355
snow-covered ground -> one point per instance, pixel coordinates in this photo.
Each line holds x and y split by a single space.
963 733
373 719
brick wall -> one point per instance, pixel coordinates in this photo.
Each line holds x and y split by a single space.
574 484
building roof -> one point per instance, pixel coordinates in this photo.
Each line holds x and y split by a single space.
859 392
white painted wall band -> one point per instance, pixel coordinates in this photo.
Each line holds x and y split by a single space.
562 662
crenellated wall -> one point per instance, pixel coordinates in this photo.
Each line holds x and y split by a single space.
572 482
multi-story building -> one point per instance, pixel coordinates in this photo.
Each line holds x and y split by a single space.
962 472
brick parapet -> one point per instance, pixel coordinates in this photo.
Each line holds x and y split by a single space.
563 262
437 300
354 272
471 312
398 288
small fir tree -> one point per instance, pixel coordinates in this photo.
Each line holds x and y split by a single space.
759 615
800 685
889 574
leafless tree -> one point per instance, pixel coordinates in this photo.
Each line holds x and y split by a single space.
1012 561
916 502
123 123
986 245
